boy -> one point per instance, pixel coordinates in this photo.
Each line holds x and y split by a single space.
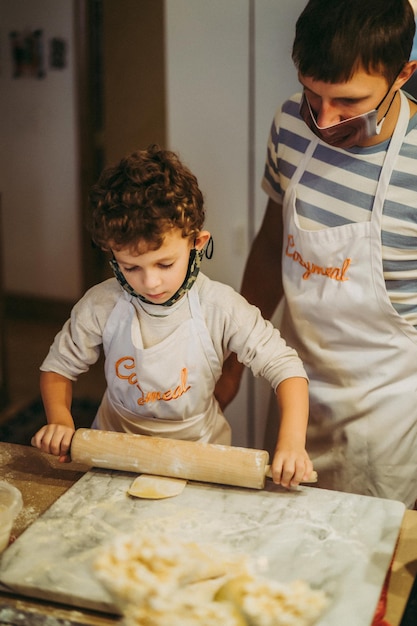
165 328
339 241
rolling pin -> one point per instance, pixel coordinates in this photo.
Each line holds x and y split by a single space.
192 460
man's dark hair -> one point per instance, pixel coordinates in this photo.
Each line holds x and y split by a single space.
335 38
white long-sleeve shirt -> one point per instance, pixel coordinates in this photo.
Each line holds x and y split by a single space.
234 326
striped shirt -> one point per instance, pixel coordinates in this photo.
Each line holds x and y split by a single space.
338 187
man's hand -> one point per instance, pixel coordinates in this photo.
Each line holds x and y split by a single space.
229 382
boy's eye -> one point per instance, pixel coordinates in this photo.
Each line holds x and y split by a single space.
162 266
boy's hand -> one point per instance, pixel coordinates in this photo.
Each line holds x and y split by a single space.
290 467
54 439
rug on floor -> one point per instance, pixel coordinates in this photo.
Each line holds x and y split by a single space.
23 425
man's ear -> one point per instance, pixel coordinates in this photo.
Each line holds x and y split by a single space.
201 239
408 70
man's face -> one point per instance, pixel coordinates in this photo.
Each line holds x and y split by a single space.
334 102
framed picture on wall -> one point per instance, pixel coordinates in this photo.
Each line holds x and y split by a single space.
27 54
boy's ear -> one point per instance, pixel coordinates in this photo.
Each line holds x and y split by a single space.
408 70
201 239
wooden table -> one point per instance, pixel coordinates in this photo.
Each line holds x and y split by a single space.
42 480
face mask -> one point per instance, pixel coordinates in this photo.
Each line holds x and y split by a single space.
193 269
347 133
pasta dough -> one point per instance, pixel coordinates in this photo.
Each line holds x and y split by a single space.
155 580
271 603
156 487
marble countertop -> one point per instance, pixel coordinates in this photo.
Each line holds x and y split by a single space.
43 480
338 542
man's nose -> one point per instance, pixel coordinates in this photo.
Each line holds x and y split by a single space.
327 114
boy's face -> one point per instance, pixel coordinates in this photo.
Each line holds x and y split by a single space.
335 102
158 274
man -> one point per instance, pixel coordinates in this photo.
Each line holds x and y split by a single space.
339 242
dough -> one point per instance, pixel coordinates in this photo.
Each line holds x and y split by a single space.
271 603
156 579
135 567
156 487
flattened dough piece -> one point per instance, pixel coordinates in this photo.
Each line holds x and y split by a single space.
156 487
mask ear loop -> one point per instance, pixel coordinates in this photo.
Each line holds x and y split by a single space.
209 248
381 121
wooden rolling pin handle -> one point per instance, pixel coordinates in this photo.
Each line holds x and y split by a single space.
313 478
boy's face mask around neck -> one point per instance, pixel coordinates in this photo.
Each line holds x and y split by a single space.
347 133
193 269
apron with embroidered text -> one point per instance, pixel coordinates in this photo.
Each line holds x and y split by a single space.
360 354
165 390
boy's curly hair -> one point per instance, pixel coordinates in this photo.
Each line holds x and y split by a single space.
142 197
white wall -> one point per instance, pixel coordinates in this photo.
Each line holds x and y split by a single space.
207 108
228 68
38 153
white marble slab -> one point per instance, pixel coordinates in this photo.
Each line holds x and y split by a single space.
338 542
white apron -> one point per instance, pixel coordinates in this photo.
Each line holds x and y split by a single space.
360 354
165 390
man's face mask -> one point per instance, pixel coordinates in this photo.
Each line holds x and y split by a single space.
347 133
